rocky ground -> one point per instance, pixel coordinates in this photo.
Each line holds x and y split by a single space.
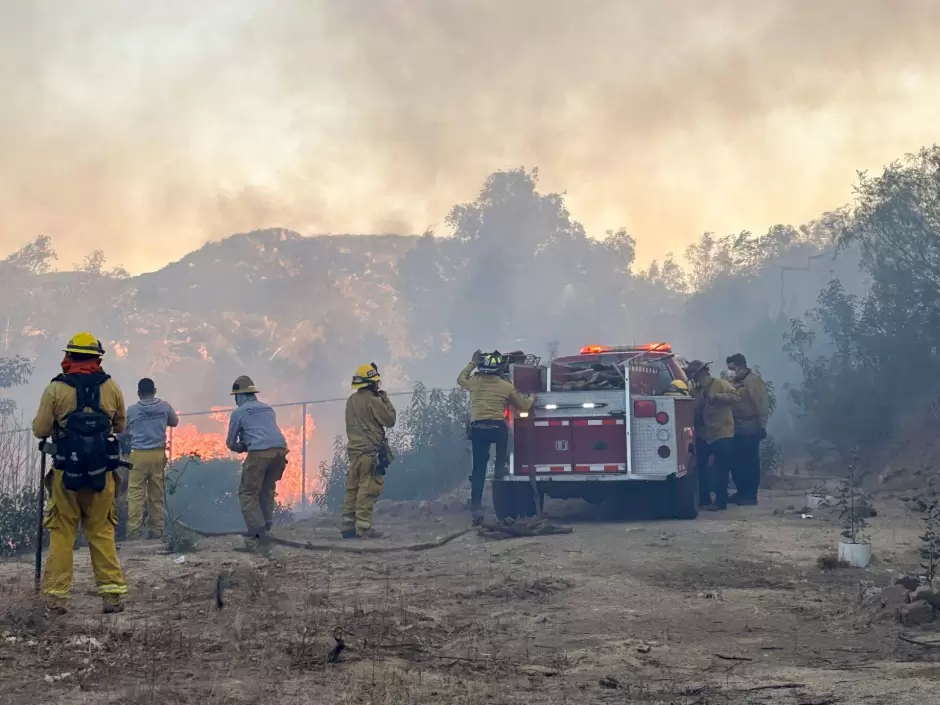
729 609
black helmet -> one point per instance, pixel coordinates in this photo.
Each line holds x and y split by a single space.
493 363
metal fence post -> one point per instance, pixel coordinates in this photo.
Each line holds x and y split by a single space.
303 456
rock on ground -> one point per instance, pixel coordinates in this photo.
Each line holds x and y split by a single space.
894 595
916 613
928 595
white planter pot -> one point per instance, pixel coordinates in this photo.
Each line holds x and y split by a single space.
856 555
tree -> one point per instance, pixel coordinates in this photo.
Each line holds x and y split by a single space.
33 258
896 222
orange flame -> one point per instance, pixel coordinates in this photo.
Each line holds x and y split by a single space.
191 439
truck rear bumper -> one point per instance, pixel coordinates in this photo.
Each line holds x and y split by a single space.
584 477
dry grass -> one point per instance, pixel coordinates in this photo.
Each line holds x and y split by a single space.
540 621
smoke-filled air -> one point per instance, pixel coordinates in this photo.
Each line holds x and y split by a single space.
147 131
677 263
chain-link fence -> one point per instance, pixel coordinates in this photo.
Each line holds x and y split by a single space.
19 455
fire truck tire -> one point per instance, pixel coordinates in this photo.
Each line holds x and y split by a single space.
513 500
686 496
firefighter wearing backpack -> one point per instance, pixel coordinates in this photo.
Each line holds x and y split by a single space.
490 395
368 413
82 410
147 421
253 429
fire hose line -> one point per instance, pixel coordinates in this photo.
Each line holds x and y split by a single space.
308 546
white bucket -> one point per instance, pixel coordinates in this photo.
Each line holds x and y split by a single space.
814 501
856 555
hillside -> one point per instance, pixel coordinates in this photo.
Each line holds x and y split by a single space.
293 311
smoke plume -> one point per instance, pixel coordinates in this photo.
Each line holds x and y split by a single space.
148 128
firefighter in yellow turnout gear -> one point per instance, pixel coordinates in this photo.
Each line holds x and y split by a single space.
82 484
490 396
368 413
147 422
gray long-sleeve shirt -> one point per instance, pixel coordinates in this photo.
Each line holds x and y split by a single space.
147 421
253 426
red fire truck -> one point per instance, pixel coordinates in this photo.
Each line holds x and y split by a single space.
601 428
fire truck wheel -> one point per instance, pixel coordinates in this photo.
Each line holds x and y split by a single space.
686 496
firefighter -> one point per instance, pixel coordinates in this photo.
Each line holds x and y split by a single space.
677 388
81 410
253 429
714 433
369 412
750 427
147 421
490 395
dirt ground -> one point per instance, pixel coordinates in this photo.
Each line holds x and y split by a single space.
727 609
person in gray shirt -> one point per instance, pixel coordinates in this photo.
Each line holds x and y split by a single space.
253 429
147 421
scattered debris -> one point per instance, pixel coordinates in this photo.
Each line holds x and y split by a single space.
179 560
916 613
54 679
85 641
609 682
806 516
644 648
509 528
520 589
710 595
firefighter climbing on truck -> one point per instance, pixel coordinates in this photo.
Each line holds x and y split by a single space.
490 396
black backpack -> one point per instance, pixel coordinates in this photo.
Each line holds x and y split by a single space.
86 450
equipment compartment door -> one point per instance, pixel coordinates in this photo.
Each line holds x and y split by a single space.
600 445
542 445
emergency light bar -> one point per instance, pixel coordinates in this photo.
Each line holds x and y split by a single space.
648 347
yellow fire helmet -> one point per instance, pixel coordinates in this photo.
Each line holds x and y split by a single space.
366 375
84 344
679 385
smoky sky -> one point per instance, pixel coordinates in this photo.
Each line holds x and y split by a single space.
147 129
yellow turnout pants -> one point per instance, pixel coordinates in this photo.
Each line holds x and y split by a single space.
145 488
363 488
260 473
98 516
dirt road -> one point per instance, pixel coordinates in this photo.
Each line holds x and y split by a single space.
730 608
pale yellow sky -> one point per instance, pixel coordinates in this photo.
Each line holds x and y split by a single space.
146 129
